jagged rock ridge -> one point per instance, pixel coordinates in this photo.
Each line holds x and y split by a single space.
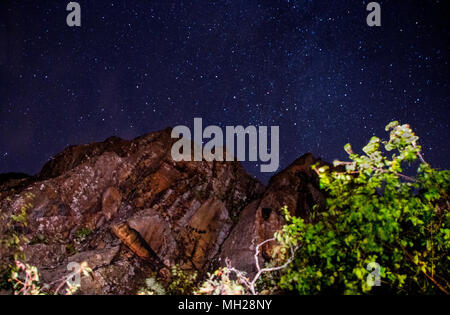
128 209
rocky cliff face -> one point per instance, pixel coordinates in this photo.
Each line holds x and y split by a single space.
128 209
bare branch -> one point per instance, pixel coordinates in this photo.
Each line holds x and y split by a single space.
419 154
251 284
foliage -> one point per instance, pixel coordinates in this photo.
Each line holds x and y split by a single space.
13 239
375 214
152 287
221 283
268 283
81 234
25 280
20 277
182 281
231 281
70 249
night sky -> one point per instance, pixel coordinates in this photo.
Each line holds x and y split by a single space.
136 66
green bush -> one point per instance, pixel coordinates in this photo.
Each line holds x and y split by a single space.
377 217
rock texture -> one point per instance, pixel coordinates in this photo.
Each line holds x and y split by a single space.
128 209
296 187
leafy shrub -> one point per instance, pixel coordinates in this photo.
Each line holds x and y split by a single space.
377 216
221 283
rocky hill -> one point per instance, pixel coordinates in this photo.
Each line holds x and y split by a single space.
128 209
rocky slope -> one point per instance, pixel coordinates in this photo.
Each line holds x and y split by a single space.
128 209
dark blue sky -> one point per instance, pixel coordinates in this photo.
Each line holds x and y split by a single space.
312 67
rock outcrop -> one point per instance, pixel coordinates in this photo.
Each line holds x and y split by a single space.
128 209
296 187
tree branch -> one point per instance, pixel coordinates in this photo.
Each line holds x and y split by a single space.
251 284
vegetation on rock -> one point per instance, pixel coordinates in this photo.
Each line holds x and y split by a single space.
385 229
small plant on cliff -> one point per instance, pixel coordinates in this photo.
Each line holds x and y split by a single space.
22 278
231 281
13 240
380 225
82 234
152 287
222 282
182 281
25 280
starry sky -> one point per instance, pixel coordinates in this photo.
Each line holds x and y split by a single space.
314 68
